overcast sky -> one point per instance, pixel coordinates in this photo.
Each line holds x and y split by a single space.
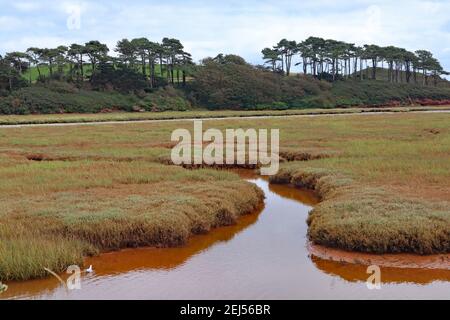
207 28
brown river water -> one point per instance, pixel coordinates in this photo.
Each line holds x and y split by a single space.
265 256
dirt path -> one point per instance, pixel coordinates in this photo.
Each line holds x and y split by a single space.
363 113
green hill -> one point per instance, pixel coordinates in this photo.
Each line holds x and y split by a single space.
383 74
32 73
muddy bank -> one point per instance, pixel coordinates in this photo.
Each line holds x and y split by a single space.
399 260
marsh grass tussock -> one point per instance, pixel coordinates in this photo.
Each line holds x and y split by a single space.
356 217
74 209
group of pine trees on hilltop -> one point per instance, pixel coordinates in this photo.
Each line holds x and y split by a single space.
168 63
332 60
82 61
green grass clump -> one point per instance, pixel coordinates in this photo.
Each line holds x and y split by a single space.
25 251
377 92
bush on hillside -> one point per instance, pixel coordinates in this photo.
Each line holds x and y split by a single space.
165 99
123 80
230 82
10 80
377 92
60 99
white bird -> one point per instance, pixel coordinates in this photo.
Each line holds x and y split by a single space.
3 287
90 269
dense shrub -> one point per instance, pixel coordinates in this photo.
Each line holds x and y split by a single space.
230 82
10 79
371 92
62 97
165 99
59 98
124 80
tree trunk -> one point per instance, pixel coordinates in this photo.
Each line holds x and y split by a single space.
144 67
152 75
334 69
38 70
367 69
360 68
81 67
288 69
408 72
374 69
345 63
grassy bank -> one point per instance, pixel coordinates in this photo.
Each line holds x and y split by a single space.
383 181
57 212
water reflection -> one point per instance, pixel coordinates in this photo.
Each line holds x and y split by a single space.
357 272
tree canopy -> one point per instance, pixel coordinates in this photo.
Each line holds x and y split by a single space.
331 60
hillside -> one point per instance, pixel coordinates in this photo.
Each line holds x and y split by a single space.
225 83
381 93
383 74
32 74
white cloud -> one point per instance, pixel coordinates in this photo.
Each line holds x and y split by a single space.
8 23
207 28
26 6
43 42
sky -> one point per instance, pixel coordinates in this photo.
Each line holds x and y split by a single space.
207 28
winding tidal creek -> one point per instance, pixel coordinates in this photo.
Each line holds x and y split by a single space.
265 256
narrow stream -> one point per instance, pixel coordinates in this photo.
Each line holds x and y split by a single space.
264 256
